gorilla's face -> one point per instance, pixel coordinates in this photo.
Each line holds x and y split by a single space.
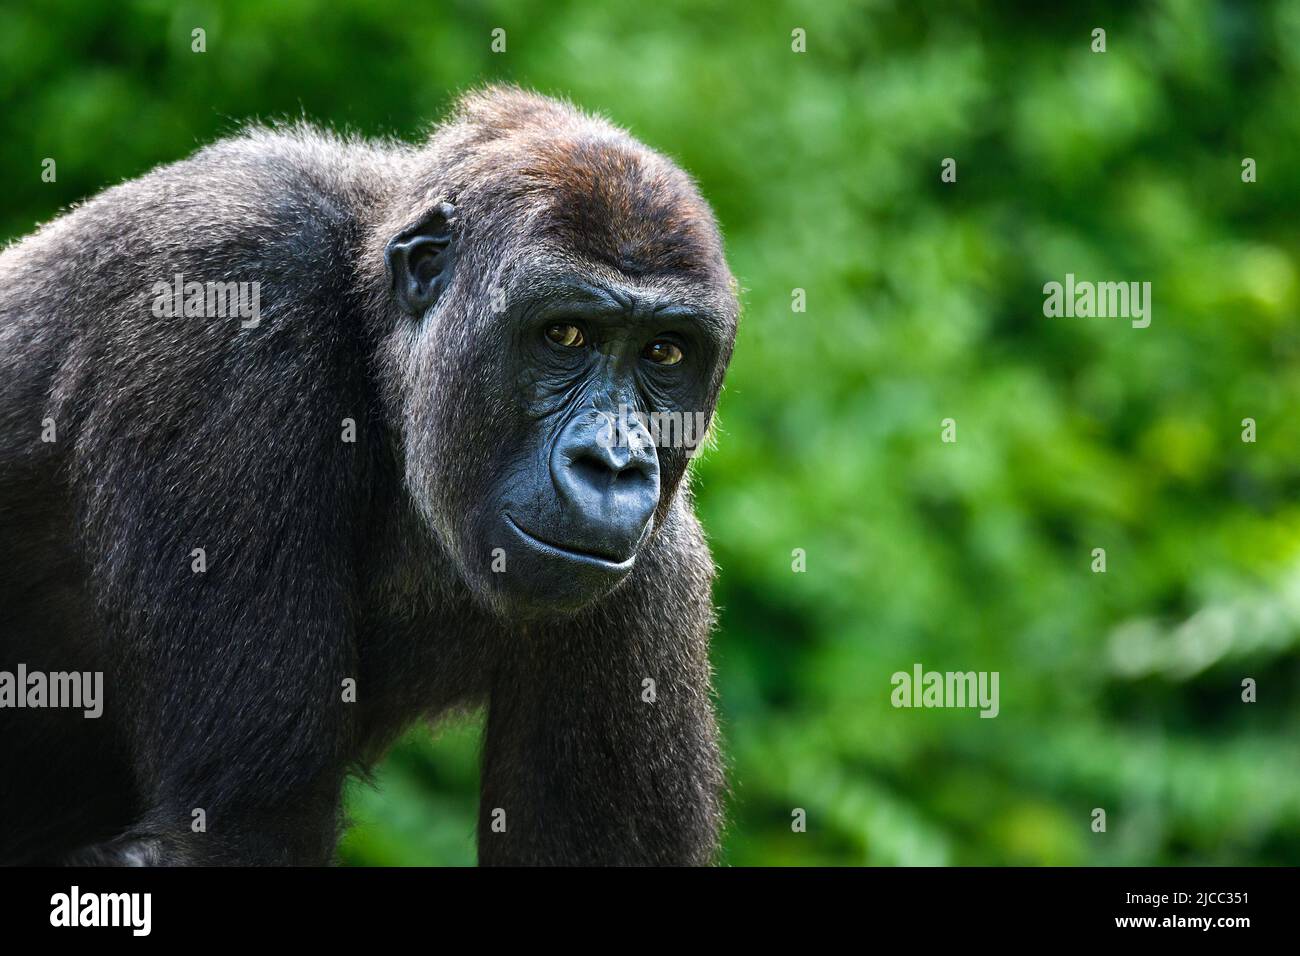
614 389
552 398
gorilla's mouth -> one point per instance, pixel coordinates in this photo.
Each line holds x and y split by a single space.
569 553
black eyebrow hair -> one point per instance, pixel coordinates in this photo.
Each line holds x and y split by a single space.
706 317
616 299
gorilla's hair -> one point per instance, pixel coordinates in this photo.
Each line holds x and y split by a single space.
397 482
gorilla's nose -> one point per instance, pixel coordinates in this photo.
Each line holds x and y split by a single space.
606 470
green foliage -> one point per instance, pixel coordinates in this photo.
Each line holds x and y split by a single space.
924 302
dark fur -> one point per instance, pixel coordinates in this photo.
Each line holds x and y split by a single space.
329 560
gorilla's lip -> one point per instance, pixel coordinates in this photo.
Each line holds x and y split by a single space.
570 553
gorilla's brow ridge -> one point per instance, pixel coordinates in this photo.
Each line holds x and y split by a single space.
595 296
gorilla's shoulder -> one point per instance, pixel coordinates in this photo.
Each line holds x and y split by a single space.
281 180
300 157
275 188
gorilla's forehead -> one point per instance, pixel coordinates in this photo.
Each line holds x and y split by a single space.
608 200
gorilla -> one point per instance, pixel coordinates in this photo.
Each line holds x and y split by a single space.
406 470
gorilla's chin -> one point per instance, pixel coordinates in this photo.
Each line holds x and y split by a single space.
540 576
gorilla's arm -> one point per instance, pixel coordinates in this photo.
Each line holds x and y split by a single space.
585 768
235 675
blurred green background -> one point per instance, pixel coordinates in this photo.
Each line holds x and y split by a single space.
1119 690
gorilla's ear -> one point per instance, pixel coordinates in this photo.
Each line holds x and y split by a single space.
418 257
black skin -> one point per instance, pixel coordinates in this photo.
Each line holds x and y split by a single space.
480 306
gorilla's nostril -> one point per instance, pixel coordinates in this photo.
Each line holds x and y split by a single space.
636 472
603 471
592 470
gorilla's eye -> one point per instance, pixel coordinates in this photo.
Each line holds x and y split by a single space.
570 336
662 352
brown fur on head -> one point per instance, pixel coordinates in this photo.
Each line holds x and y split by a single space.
566 177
